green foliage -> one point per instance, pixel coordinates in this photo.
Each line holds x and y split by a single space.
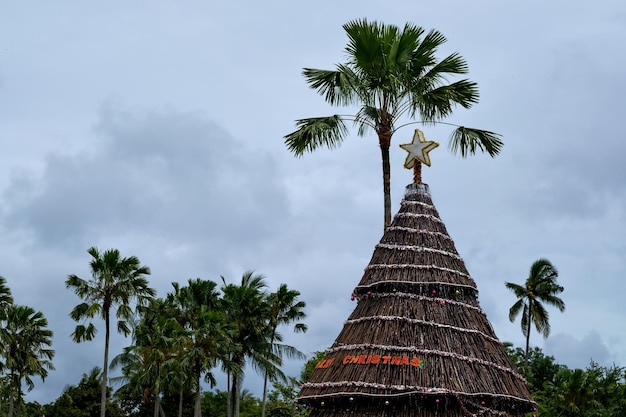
26 352
309 366
214 404
284 308
596 391
540 368
6 299
282 401
247 309
83 400
182 338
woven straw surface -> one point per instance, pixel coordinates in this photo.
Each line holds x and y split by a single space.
417 342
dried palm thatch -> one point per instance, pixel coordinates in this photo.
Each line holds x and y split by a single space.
417 344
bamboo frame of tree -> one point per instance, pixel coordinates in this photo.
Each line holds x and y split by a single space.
416 299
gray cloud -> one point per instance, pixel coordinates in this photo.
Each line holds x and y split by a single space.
578 353
152 174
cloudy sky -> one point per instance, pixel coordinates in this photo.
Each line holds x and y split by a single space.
156 127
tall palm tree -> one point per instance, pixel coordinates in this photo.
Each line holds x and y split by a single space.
5 294
391 73
205 337
247 310
116 283
540 287
26 341
284 308
143 363
6 300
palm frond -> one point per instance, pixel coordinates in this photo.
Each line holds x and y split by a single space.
437 103
335 86
429 44
517 289
554 301
316 132
515 309
541 319
467 141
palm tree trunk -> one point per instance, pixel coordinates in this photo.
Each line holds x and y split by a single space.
229 406
14 389
237 392
18 407
105 366
157 396
527 336
180 401
11 402
264 400
384 140
157 404
197 412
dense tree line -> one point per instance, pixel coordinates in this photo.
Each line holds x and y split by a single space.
596 391
178 342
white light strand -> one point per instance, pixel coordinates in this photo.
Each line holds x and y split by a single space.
427 216
413 266
429 323
416 203
427 283
419 297
414 230
409 389
415 248
413 349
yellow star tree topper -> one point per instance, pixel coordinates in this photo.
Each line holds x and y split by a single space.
418 149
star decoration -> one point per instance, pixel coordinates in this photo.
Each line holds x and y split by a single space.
418 149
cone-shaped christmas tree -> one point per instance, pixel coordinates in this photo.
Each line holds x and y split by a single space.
417 343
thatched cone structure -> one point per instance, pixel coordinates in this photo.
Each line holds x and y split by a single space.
417 343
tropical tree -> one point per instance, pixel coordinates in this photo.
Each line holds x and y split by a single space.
246 309
391 74
205 339
26 341
82 399
116 283
540 287
540 369
214 403
284 309
5 294
6 300
143 362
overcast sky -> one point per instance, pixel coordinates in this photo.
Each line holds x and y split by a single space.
156 127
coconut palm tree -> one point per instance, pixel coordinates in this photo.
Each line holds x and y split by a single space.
116 283
247 310
284 308
540 287
5 294
6 300
391 74
204 339
143 363
26 342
